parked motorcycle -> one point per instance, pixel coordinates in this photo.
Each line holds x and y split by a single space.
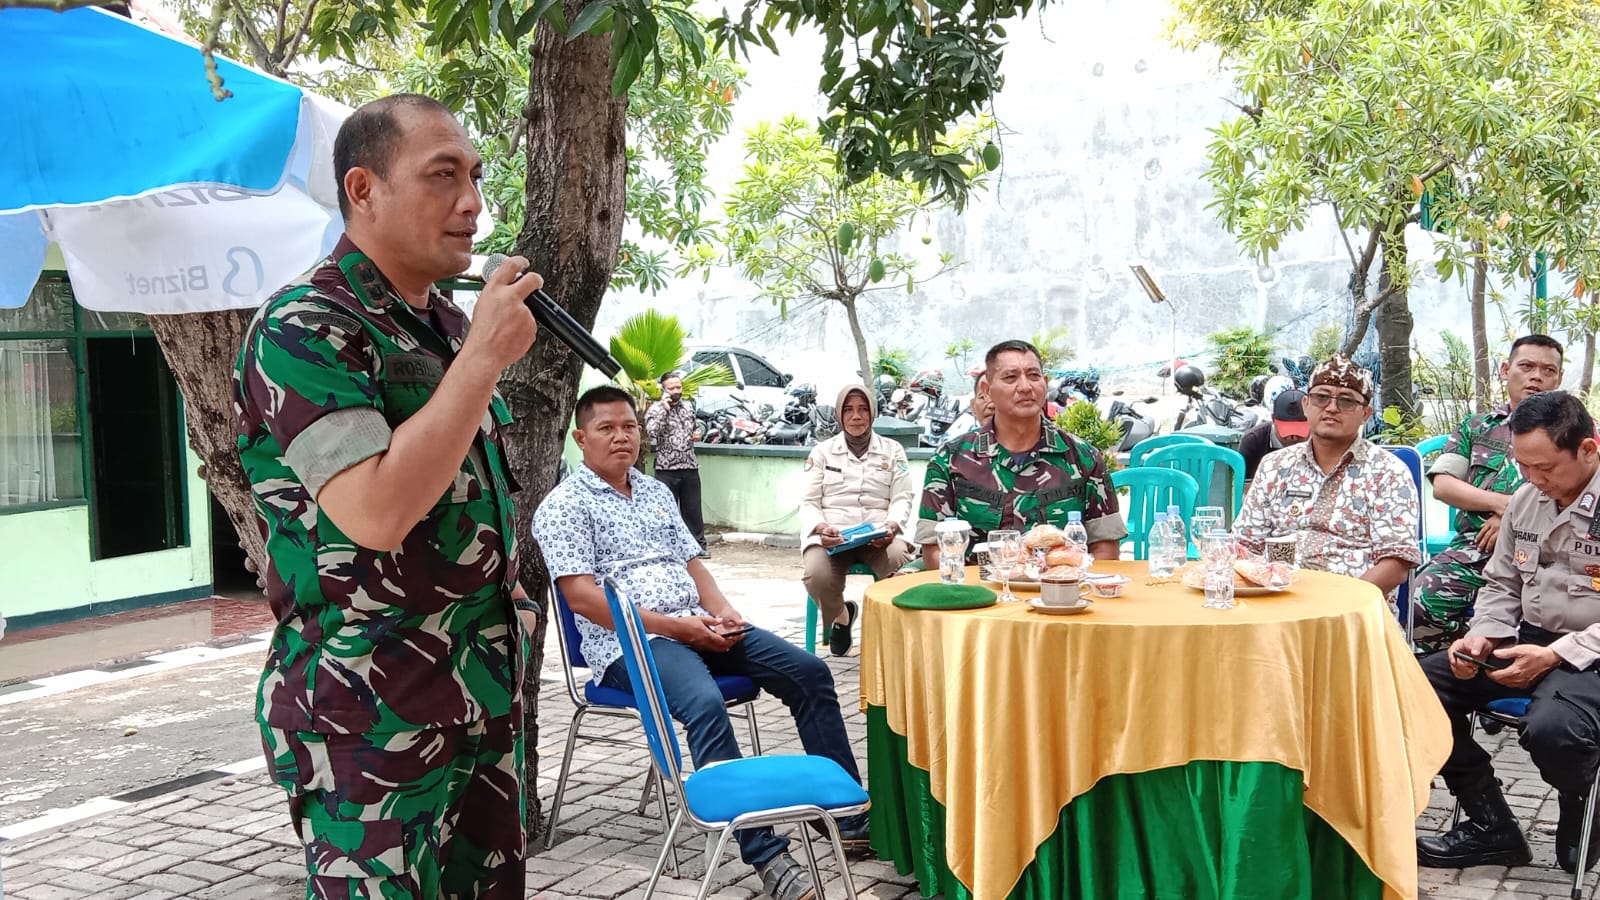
803 420
938 421
1135 425
734 423
1205 406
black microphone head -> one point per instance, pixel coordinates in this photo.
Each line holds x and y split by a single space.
493 262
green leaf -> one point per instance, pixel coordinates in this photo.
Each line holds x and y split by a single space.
589 18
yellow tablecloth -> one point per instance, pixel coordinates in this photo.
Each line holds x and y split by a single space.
1013 713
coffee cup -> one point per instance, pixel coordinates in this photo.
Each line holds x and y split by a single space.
1282 549
1058 591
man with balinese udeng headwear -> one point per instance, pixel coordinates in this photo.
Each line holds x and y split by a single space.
1350 505
852 478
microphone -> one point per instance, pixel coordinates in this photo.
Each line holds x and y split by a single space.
549 314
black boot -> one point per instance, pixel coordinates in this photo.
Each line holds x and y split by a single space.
1488 836
1569 830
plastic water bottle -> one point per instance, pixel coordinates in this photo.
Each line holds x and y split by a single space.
1075 533
1159 548
1179 552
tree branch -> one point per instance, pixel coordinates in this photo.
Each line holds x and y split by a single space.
293 50
1344 237
252 37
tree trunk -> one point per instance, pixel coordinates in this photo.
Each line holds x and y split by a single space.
1587 379
862 358
1480 331
200 348
572 229
1394 331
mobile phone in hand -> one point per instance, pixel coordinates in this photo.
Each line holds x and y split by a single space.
1493 663
737 630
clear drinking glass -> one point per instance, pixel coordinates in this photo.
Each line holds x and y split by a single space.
1006 553
953 535
1218 554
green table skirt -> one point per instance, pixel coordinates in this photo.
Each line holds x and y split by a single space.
1209 830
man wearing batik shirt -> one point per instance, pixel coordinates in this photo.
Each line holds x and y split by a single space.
671 425
1476 474
1350 504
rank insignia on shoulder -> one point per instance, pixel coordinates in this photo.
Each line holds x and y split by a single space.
1586 502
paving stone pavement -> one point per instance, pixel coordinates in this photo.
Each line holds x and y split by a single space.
231 838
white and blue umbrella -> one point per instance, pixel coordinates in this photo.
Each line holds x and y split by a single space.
161 198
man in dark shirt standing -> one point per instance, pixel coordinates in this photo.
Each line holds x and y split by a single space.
1287 427
671 425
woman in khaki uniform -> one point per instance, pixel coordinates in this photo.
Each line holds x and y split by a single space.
854 477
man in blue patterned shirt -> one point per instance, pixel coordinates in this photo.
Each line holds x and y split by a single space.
609 519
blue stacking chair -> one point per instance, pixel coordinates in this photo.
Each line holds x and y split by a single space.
1413 462
1152 490
1440 534
1510 711
1156 442
738 691
724 797
1200 462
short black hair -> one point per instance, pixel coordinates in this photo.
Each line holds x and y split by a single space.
1537 340
599 396
369 137
1010 347
1558 414
673 374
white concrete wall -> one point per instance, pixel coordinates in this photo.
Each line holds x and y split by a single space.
1104 152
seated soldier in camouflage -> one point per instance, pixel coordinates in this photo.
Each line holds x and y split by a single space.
1476 474
1018 469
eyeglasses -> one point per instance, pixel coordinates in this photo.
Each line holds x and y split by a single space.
1345 404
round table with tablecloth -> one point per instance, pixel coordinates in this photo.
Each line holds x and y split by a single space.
1150 747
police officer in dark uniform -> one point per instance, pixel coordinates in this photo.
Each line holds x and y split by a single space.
1537 628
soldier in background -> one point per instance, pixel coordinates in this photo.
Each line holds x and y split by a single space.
372 437
1476 474
1018 469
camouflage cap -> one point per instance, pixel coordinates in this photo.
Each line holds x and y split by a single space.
1339 371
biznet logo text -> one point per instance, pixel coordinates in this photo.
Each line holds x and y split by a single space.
241 275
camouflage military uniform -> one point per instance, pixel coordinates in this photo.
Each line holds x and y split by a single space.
974 479
390 698
1479 453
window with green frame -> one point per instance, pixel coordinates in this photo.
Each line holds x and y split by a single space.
89 414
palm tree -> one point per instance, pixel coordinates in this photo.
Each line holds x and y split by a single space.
651 344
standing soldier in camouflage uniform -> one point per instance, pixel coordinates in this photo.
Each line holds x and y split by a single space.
1018 469
372 437
1476 474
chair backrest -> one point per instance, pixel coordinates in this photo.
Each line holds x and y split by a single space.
1413 463
646 683
1156 442
1152 490
571 643
1432 445
1200 462
1441 528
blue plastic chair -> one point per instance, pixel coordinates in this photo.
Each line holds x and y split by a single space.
1510 711
752 792
1440 534
1152 490
814 629
1200 462
1413 462
738 692
1156 442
